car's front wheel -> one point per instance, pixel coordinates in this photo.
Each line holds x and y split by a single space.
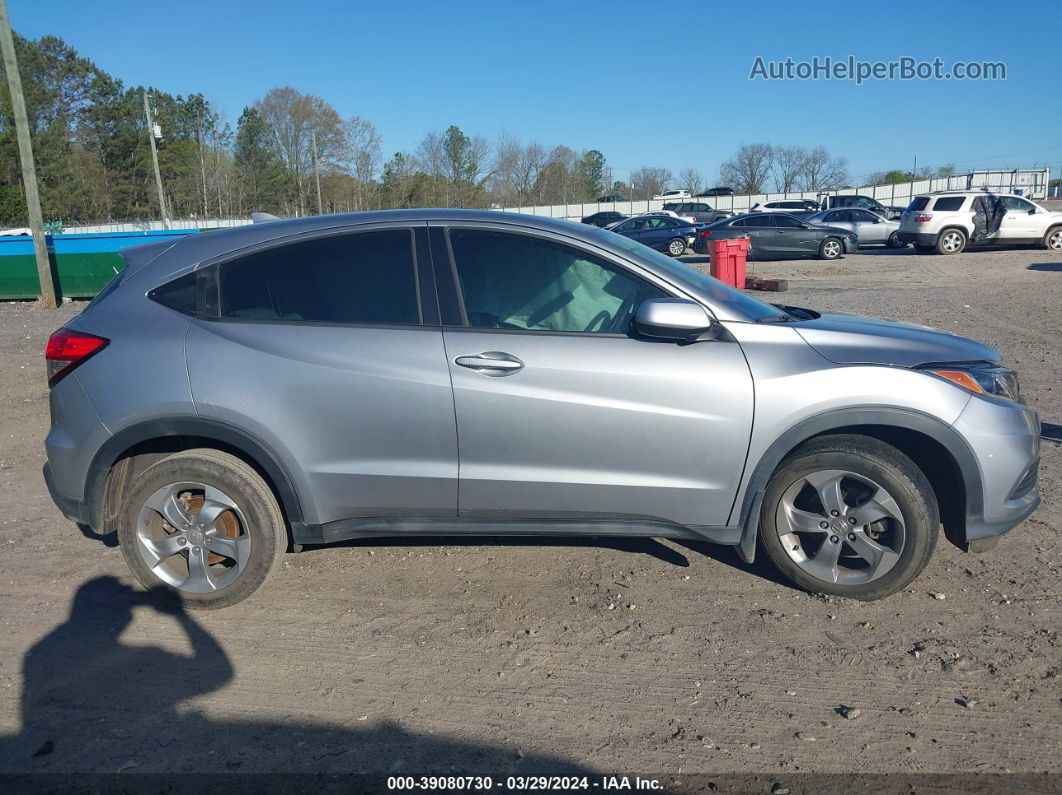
850 516
1053 238
203 524
894 241
830 248
676 247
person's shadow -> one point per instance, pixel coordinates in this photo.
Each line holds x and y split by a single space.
93 704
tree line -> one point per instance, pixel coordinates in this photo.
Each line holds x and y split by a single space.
292 153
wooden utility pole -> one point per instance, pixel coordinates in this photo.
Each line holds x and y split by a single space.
45 272
316 173
155 161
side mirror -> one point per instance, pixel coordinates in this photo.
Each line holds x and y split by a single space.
678 319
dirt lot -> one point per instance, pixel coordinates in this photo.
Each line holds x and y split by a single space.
632 657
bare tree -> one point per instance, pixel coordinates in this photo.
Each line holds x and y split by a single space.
648 181
430 158
747 170
556 182
295 118
691 180
361 155
787 166
822 172
518 168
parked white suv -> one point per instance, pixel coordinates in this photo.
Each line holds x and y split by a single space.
949 221
671 195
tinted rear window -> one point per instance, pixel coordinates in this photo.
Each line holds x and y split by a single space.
363 278
945 203
918 203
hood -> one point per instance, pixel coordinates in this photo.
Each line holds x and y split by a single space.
855 339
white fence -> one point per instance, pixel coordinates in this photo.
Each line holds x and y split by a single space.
1031 182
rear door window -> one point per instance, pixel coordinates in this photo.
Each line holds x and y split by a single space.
366 278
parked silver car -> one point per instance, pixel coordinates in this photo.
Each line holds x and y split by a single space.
870 228
240 393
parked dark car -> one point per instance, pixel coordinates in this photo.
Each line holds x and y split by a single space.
611 198
661 232
779 234
702 211
718 191
604 218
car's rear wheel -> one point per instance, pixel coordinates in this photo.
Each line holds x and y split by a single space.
1053 238
850 516
951 241
894 241
830 248
203 524
676 247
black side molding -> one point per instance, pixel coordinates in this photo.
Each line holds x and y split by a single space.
213 430
949 439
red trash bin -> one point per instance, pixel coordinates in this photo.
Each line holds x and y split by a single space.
728 258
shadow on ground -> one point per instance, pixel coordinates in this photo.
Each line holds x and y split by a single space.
91 703
1051 432
1046 266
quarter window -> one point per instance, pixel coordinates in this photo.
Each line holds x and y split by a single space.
949 203
365 278
526 283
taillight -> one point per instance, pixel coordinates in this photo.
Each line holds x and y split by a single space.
67 349
921 219
705 233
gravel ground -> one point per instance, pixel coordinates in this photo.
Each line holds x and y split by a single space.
616 657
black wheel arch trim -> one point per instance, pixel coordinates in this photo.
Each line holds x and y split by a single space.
836 419
254 449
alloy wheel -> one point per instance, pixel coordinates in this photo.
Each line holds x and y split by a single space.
193 537
1055 240
831 249
951 242
840 527
676 247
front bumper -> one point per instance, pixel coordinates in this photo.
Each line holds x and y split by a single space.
851 246
1005 440
918 238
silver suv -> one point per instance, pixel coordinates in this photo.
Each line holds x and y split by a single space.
241 393
949 221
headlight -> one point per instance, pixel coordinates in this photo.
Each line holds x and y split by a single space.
985 380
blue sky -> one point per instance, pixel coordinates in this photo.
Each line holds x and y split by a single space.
661 85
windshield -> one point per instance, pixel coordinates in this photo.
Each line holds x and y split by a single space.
735 301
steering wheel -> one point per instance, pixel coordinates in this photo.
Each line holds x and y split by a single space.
600 319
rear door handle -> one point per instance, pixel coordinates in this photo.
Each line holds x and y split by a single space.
492 363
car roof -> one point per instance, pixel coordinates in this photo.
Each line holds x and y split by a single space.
188 251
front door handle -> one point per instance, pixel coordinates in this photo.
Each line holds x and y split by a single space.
493 363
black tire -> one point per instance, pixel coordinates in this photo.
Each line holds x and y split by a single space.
831 248
894 241
950 241
879 462
676 247
1053 238
263 524
923 249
